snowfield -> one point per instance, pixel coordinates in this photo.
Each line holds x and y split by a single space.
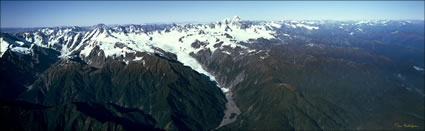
119 41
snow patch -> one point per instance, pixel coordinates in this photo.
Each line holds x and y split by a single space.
21 50
138 58
418 68
273 24
224 90
226 52
3 46
20 43
307 26
310 45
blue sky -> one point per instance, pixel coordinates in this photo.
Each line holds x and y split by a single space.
81 13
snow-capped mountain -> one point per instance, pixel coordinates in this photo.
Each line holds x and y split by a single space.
302 73
123 42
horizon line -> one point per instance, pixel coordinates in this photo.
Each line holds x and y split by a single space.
199 22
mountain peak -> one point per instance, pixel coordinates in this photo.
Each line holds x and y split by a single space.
100 29
101 25
236 18
76 28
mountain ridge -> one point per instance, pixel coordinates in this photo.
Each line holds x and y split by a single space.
233 55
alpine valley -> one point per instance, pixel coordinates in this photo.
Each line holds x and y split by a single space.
228 75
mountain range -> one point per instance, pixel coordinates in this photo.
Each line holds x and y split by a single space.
226 75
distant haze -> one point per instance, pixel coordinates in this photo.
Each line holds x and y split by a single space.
81 13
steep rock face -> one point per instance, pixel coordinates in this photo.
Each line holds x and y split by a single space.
176 96
19 71
298 87
73 116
